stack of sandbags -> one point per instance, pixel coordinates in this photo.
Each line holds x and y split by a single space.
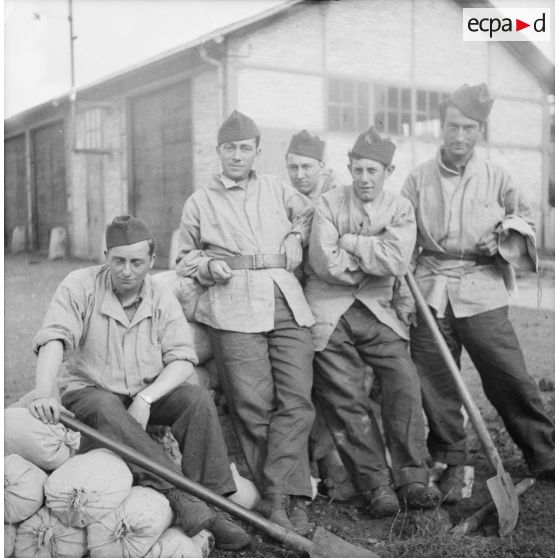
132 528
46 445
23 488
87 487
174 543
43 535
9 540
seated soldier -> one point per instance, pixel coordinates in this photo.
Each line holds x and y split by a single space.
123 348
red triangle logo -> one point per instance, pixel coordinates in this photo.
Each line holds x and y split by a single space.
519 25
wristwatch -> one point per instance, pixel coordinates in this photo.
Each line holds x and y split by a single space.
147 398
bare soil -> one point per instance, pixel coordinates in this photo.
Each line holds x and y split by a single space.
30 281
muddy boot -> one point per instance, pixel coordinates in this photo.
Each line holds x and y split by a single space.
416 495
298 516
452 483
228 535
382 502
191 513
276 508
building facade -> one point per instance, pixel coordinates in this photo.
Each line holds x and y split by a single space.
142 140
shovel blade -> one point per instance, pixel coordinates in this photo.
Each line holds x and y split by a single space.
505 499
328 545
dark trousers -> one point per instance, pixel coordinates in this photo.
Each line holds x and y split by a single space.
267 382
491 342
339 385
190 413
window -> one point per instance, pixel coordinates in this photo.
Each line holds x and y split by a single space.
392 110
351 105
90 129
348 105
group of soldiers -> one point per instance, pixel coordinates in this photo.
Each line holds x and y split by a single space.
303 295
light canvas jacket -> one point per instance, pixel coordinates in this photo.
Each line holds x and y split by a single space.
224 219
386 232
453 212
102 347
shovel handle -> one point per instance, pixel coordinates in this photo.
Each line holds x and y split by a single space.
284 536
472 410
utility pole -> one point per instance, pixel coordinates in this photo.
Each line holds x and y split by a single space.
72 80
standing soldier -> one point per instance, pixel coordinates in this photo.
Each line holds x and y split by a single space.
306 167
362 239
242 237
460 199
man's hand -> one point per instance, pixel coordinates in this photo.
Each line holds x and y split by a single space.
292 248
488 244
220 271
408 318
47 409
140 409
348 242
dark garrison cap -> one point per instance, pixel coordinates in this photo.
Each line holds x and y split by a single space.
306 145
237 127
473 101
370 145
126 229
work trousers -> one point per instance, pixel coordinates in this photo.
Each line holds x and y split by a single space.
339 386
491 342
267 382
194 422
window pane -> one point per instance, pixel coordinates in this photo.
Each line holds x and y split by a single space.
347 118
406 99
434 102
347 90
421 100
333 118
406 124
380 97
363 94
392 123
379 121
393 97
334 91
362 118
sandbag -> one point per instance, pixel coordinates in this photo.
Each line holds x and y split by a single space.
23 488
246 494
206 375
9 540
202 345
132 528
186 289
87 487
45 536
45 445
173 543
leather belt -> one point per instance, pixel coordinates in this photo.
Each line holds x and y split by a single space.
477 258
256 261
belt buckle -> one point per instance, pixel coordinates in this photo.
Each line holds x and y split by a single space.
257 261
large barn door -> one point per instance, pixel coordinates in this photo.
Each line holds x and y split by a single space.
161 161
50 181
15 195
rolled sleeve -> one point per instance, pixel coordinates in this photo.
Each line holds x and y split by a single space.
175 335
63 320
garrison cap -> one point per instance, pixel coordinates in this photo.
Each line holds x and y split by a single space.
237 127
473 101
370 145
306 145
126 229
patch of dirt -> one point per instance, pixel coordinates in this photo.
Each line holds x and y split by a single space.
30 281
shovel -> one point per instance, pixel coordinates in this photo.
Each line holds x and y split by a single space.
501 486
323 545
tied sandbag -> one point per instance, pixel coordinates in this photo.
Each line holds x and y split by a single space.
173 543
132 528
9 540
87 487
44 536
246 494
45 445
23 488
186 289
202 345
